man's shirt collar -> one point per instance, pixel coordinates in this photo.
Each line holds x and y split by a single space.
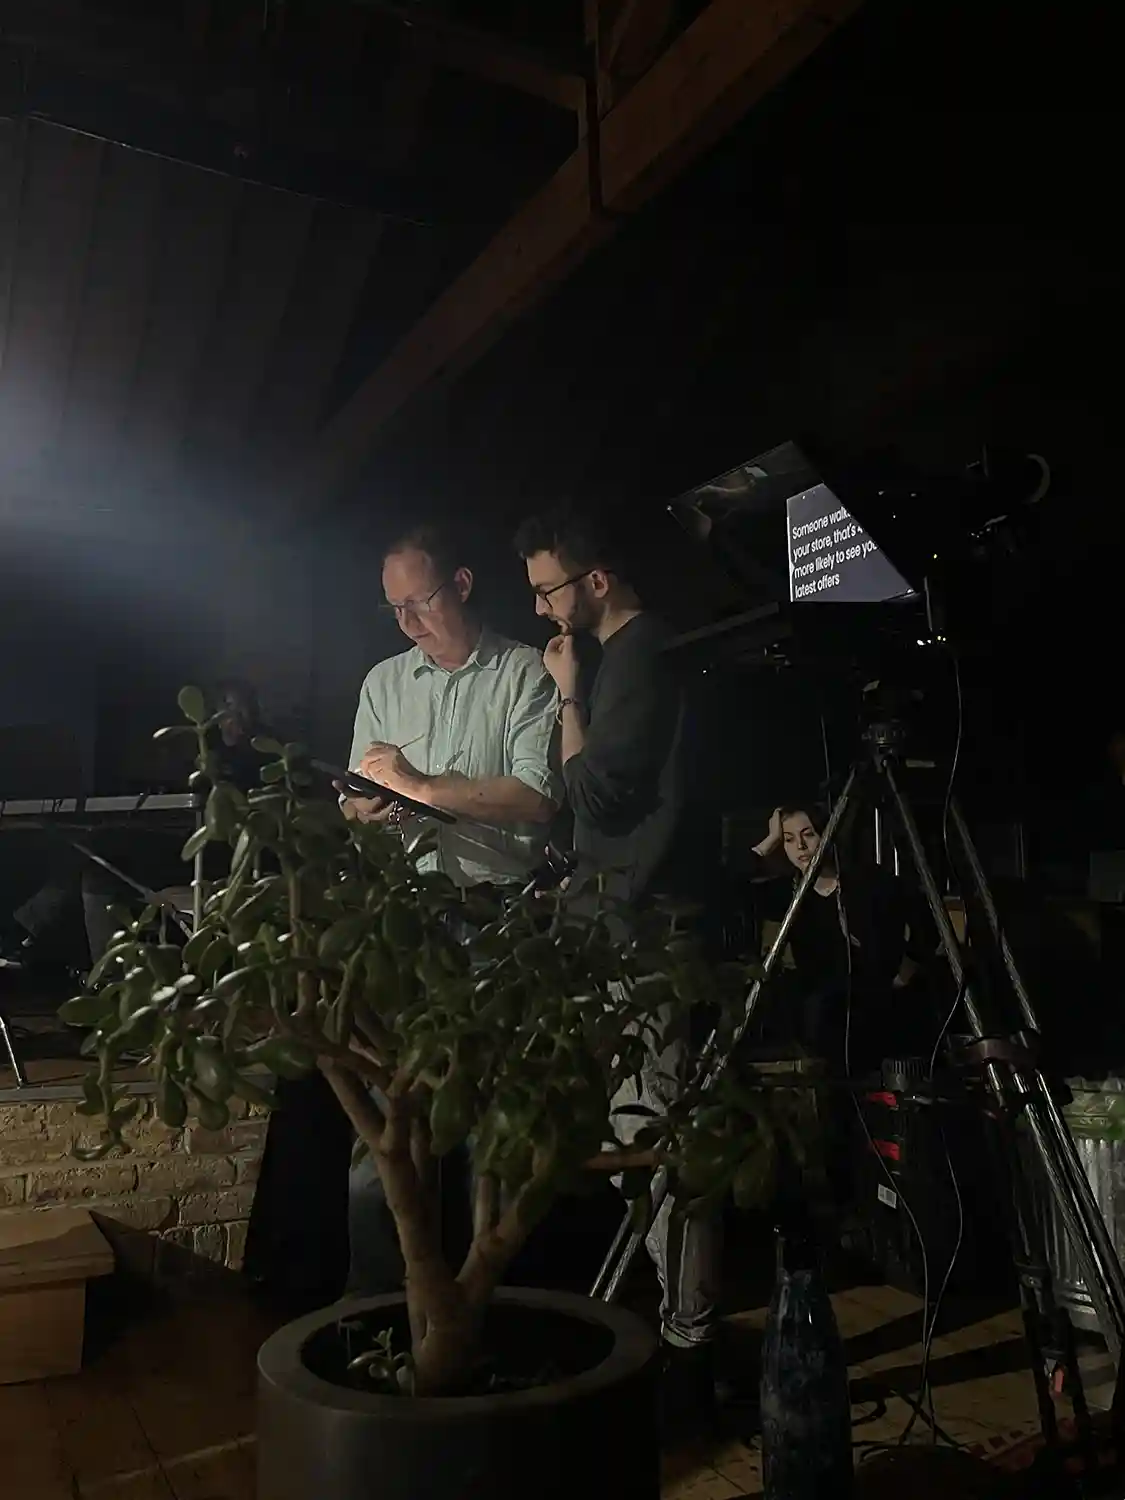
485 654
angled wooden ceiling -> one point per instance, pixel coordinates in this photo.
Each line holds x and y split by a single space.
158 320
170 313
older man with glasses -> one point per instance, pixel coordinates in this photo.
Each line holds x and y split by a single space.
476 713
463 721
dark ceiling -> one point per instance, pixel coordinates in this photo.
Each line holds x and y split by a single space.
926 196
296 92
215 217
913 244
924 199
157 320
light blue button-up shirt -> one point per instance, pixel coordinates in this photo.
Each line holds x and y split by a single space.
494 716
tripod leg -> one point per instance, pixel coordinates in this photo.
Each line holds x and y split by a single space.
1045 1321
1083 1191
980 883
1036 1294
1054 1148
712 1062
1056 1124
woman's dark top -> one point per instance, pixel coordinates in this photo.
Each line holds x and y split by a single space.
836 975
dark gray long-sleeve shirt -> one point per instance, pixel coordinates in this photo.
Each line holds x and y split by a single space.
626 786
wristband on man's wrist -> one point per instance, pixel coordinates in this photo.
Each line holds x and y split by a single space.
567 703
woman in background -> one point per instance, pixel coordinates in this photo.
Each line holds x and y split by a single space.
855 942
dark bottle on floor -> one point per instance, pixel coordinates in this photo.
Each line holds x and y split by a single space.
806 1413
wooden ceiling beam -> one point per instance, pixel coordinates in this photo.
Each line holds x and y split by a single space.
467 49
637 34
623 40
732 54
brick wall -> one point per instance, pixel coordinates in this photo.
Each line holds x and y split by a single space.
176 1199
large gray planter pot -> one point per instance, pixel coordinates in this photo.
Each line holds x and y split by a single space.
589 1436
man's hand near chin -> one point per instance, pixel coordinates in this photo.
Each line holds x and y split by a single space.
561 662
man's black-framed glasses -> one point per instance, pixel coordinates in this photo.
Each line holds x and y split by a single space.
565 584
414 606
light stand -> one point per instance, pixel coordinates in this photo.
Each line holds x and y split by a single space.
150 898
13 1057
1007 1064
198 787
146 893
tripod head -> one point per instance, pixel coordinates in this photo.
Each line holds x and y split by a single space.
885 737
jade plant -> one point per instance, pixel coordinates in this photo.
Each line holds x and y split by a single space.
440 1018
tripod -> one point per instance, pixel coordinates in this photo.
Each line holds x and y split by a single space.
1013 1078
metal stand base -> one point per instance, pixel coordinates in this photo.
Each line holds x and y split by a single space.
9 1047
150 897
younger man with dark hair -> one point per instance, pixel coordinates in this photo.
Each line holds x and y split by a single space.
623 752
622 741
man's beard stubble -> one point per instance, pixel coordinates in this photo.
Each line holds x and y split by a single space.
585 619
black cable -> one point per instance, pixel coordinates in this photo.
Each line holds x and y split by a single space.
894 1186
930 1329
929 1324
946 807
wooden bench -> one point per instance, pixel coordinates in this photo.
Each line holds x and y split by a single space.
46 1259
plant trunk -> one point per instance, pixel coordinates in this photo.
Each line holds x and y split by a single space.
447 1315
446 1312
445 1318
449 1350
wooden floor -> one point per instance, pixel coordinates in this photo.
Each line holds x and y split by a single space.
165 1411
